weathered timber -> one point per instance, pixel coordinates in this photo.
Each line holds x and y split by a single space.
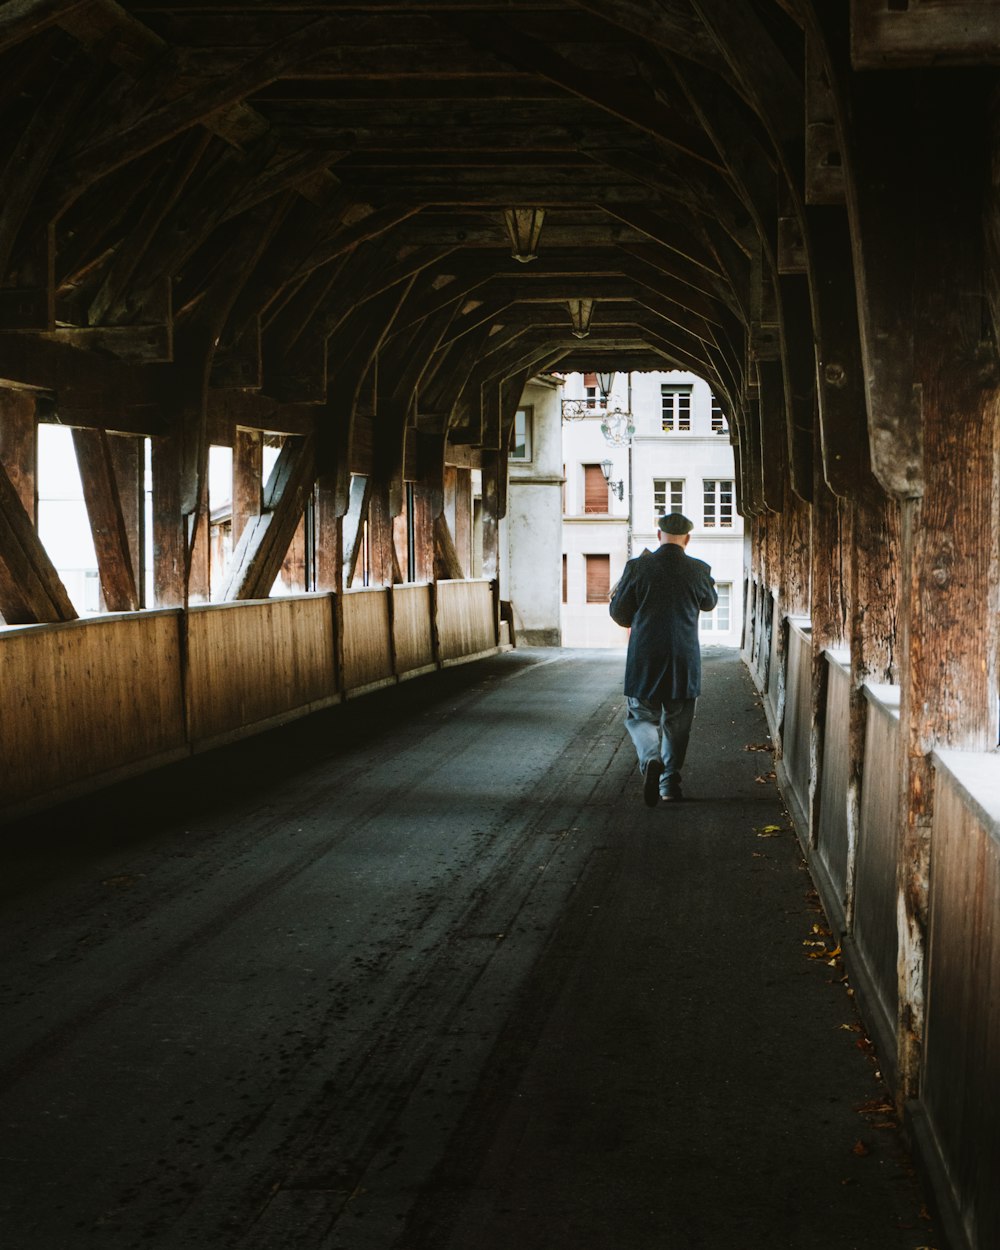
30 588
169 526
932 33
353 525
37 147
19 446
258 555
447 564
114 288
107 520
621 100
248 479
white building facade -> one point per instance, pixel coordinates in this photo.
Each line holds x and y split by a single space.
678 459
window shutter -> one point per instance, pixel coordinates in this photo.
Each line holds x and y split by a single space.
598 578
595 489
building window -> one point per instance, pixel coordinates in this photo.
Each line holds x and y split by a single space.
598 578
590 390
668 496
717 621
676 407
521 446
718 418
718 504
595 489
91 590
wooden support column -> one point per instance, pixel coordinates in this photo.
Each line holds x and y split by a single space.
329 538
248 479
31 590
169 528
423 532
128 464
463 518
19 446
949 532
385 570
107 521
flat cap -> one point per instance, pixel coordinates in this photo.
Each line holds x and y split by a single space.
674 523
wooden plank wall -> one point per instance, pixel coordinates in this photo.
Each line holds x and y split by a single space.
875 871
954 1115
795 733
412 629
88 699
466 624
367 639
250 664
960 1090
831 842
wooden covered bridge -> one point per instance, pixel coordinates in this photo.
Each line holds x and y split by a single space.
357 229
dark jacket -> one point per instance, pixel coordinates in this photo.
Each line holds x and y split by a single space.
660 596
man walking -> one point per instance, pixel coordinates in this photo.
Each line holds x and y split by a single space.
660 596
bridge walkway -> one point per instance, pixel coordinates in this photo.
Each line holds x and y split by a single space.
423 971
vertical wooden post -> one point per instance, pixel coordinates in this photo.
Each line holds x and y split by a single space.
128 464
381 538
463 518
492 463
423 532
107 519
19 446
169 530
248 479
329 538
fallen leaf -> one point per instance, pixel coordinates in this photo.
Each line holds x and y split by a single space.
758 746
860 1149
876 1106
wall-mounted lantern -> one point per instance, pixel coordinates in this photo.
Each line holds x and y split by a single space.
616 488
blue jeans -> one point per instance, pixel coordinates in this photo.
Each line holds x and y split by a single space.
662 731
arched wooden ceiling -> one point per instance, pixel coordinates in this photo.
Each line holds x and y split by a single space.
293 212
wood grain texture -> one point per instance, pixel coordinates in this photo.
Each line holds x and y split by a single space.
258 662
87 698
465 621
367 639
412 628
961 1077
878 837
832 836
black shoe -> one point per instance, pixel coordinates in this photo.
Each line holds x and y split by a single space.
674 793
651 782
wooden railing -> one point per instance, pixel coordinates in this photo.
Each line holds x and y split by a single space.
92 701
859 877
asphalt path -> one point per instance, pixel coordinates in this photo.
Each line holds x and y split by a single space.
424 972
